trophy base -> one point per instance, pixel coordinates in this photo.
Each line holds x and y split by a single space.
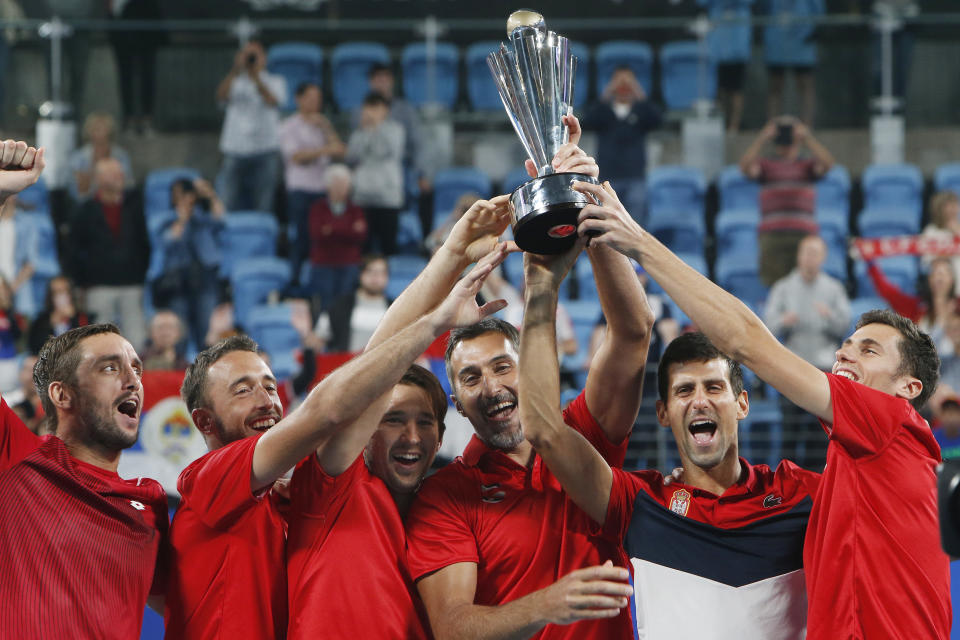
545 210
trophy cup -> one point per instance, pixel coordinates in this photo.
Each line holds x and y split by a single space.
534 74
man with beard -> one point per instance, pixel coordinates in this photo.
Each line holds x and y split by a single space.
490 534
727 534
872 556
78 544
228 577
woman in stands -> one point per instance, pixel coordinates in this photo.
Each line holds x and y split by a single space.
930 309
944 222
60 314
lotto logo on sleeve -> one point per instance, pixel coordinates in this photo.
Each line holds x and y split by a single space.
680 502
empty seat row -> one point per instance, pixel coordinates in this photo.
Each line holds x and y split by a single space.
686 71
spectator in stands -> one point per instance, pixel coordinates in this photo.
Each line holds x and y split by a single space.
930 309
435 238
352 319
11 330
99 130
416 162
787 194
730 47
338 232
946 427
60 314
809 312
110 253
308 142
163 352
622 119
789 45
250 138
191 246
135 52
14 249
944 223
376 151
949 352
25 401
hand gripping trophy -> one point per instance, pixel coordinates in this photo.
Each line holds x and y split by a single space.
534 73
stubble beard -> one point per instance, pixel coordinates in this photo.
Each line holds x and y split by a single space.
102 430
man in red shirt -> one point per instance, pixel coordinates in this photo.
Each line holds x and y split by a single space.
78 544
496 547
227 577
787 197
872 553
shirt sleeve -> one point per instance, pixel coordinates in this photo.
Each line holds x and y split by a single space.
439 532
623 494
864 419
217 486
16 441
578 416
314 492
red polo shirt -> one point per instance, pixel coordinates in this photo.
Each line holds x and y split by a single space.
78 544
874 565
348 576
517 524
227 577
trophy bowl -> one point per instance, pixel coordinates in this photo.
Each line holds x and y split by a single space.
534 73
545 211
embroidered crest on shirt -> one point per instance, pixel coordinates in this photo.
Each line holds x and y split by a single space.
771 501
491 493
680 502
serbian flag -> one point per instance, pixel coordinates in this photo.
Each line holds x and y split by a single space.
168 440
872 248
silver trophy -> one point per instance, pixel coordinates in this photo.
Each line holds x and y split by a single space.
534 73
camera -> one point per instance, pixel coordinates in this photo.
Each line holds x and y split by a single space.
784 137
251 59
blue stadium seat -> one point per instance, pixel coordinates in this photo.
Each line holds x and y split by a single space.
833 221
900 270
893 186
409 231
761 431
253 280
877 222
156 223
152 627
860 305
450 184
36 243
247 234
513 269
513 179
695 260
947 176
581 82
675 190
583 314
349 64
737 191
681 233
833 190
739 275
416 85
682 80
271 326
582 272
736 231
297 62
156 188
36 197
624 53
403 269
481 89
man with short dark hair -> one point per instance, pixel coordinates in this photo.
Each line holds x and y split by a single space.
228 574
79 544
872 555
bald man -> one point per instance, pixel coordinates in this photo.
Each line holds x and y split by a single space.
108 252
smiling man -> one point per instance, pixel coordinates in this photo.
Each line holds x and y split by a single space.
228 575
872 553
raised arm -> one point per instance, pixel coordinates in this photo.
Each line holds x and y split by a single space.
584 594
327 421
580 468
729 323
20 167
749 164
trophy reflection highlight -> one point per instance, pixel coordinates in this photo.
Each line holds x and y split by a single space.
534 73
